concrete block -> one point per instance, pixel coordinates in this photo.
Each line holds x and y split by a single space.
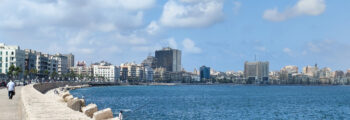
83 102
103 114
65 94
89 110
75 104
68 98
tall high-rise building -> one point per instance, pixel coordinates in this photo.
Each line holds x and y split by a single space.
11 55
256 72
70 59
169 58
204 73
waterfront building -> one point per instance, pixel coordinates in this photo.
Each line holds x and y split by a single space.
159 74
70 60
82 69
30 59
148 74
256 72
338 74
42 62
11 55
169 58
204 73
310 70
52 64
286 74
348 73
62 63
325 73
195 71
129 70
150 61
106 72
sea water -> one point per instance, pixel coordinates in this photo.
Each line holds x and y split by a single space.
221 102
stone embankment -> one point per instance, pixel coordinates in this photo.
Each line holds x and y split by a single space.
55 102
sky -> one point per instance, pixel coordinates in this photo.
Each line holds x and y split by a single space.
221 34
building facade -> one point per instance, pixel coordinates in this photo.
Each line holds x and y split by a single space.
256 72
169 58
204 73
11 55
106 71
62 66
70 60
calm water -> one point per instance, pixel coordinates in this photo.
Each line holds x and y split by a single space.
222 102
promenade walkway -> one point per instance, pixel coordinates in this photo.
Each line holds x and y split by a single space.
47 106
10 109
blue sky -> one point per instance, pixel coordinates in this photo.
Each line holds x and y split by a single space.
221 34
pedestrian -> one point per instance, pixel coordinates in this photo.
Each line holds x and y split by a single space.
11 89
121 115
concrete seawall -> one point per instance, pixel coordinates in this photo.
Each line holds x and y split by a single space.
44 87
53 101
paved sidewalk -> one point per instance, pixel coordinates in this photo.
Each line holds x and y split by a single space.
10 109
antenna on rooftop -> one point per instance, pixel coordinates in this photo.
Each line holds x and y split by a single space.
254 57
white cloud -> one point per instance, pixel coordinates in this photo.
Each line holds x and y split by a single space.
191 13
172 43
261 48
79 38
95 27
153 28
131 39
189 46
137 4
236 7
303 7
11 22
287 50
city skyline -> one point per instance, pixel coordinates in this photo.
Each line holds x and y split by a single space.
223 35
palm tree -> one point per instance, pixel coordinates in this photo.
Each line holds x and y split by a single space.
11 71
33 72
17 72
54 74
26 73
46 73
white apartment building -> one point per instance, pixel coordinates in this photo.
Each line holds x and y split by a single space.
107 71
11 55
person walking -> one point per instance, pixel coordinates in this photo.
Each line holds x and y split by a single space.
121 115
11 89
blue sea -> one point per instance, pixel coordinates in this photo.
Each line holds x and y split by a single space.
221 102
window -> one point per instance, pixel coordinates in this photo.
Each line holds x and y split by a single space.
0 52
7 59
0 70
7 53
12 53
6 66
0 59
0 66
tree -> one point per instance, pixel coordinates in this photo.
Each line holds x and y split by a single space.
11 71
26 73
33 72
17 71
54 74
